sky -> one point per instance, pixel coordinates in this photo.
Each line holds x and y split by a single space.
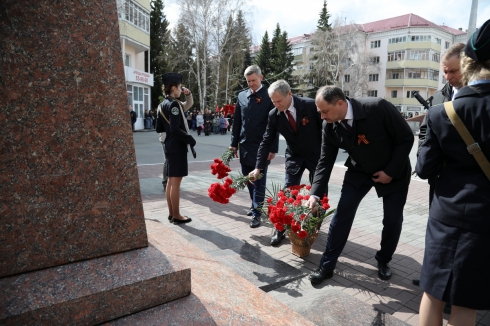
298 17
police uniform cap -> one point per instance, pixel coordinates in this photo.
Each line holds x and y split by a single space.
172 77
478 45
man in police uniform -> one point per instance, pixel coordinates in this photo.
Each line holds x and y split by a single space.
298 121
378 141
249 124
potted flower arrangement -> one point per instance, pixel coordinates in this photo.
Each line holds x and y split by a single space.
287 211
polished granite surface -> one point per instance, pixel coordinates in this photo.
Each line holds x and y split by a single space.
68 174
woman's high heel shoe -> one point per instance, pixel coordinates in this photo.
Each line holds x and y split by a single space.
176 221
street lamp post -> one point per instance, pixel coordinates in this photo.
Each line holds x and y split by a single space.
227 73
344 74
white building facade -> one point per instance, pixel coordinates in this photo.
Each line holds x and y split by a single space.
134 28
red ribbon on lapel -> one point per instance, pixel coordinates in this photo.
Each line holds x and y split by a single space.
361 138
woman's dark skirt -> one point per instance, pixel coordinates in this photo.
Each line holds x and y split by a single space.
456 266
177 164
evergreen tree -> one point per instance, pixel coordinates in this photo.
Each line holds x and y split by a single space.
323 20
181 60
158 40
275 55
263 59
282 65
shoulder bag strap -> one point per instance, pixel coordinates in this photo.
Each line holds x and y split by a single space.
472 146
159 110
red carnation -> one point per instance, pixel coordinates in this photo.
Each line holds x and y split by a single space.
302 234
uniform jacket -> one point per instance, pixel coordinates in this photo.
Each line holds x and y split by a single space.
462 191
304 145
177 138
249 124
381 140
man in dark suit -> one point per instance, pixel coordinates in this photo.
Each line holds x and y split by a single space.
250 120
378 141
298 121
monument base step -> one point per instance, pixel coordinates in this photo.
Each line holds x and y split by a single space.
219 295
93 291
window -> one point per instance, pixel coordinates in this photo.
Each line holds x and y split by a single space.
373 77
435 56
410 95
448 45
419 38
298 51
346 78
127 60
374 60
394 74
396 55
400 39
422 74
375 44
134 14
372 93
438 40
394 94
346 93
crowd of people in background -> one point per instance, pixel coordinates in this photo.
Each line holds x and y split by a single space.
210 122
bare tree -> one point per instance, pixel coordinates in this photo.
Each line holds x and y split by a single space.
207 21
332 52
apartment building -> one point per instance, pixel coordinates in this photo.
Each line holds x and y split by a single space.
408 49
134 28
405 54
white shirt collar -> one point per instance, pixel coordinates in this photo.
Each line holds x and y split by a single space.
258 89
350 113
292 109
455 91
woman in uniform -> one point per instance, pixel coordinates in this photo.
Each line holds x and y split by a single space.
457 255
172 121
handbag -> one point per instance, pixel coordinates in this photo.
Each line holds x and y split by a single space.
472 146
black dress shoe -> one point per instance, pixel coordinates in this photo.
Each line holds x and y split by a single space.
320 274
277 237
384 271
416 281
170 218
176 221
255 222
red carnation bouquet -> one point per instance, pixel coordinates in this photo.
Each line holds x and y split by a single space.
287 211
222 192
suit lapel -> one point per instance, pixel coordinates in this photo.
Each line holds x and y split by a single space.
358 115
299 112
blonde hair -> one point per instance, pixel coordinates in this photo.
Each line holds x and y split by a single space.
472 70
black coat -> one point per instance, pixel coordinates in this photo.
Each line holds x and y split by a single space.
132 115
462 191
441 96
389 138
304 145
177 138
249 124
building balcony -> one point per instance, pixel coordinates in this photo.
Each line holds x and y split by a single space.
411 82
414 45
403 101
412 64
131 32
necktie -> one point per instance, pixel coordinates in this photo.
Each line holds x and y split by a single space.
346 125
291 120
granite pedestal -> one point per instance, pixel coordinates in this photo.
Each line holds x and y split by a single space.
73 241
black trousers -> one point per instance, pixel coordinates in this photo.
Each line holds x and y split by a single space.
343 218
